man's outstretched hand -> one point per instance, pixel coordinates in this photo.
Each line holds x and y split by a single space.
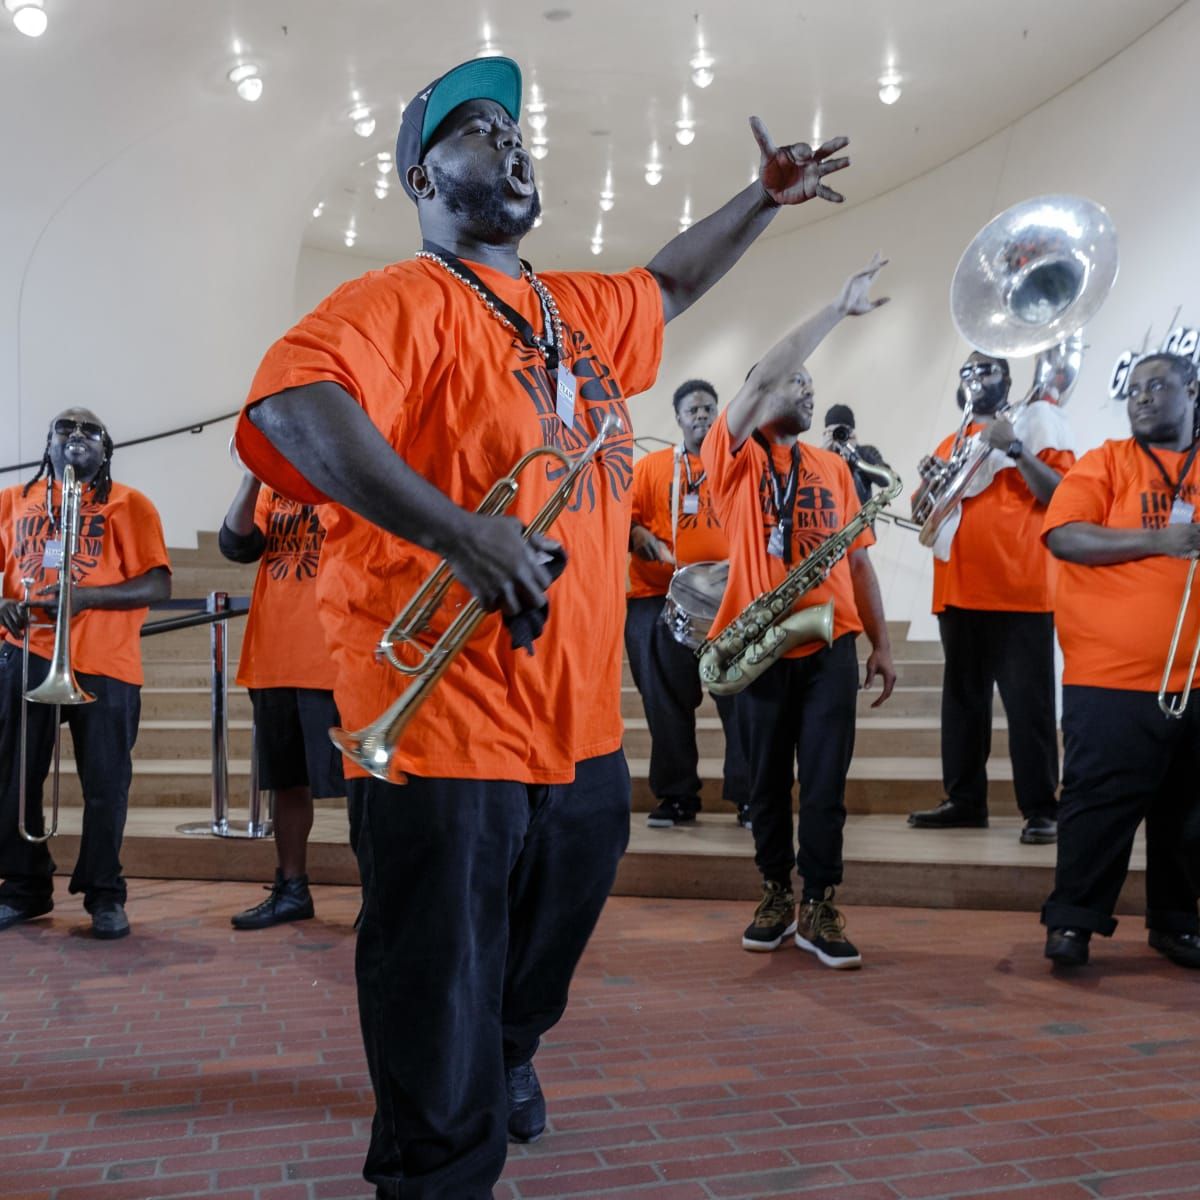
794 174
855 298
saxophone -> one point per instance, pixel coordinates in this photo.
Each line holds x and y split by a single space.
767 628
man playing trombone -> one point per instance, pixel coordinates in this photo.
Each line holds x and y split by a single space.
119 569
1122 523
397 403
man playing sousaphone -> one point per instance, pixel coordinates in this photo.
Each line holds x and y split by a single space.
779 501
674 525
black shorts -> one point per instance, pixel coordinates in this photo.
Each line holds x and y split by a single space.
291 737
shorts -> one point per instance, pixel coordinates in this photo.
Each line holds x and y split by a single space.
291 740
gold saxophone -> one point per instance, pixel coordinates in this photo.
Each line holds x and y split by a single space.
767 628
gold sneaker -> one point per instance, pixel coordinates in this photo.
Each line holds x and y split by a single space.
822 931
774 918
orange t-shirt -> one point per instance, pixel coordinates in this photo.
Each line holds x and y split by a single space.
461 398
1115 622
997 562
284 645
825 500
118 540
700 536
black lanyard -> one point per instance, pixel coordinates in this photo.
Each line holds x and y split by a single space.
1177 486
693 485
546 345
783 493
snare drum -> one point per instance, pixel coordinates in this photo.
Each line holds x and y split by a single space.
692 601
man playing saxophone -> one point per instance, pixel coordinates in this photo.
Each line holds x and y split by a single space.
992 597
779 500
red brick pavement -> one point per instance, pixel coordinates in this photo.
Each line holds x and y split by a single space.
192 1061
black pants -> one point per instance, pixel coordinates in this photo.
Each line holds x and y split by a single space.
1125 762
478 900
667 675
801 710
1015 652
103 733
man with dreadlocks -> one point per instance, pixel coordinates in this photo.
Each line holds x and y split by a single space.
120 568
1123 522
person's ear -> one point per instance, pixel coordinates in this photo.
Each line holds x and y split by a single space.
420 181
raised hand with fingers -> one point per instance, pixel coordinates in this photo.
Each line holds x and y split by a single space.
793 174
855 299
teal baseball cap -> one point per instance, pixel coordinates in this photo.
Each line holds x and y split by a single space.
493 78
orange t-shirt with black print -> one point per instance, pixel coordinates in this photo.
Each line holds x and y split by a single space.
997 562
118 540
825 500
1115 622
701 538
461 398
284 645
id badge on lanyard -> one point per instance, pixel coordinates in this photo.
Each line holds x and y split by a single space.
52 555
564 394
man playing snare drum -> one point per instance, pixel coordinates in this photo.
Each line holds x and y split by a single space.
674 524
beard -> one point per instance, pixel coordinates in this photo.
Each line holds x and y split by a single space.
485 206
991 397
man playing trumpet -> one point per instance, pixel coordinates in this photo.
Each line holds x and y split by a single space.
396 404
1123 522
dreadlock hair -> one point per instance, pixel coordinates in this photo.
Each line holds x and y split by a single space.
1185 372
101 483
692 385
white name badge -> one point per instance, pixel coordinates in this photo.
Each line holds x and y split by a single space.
691 503
1182 513
775 543
52 555
564 400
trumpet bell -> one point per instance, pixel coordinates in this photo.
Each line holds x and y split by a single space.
1034 275
59 687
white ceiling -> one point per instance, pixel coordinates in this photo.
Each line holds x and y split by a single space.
611 71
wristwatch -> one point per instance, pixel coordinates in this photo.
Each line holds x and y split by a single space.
1015 449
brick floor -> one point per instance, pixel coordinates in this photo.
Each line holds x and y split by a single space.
192 1061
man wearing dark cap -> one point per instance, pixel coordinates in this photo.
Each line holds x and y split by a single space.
487 854
840 437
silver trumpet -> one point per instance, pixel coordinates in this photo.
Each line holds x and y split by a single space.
1176 707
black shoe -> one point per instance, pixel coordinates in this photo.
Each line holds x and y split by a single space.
109 921
289 900
1183 949
526 1104
1039 831
949 815
14 914
743 815
670 813
822 931
1068 947
774 918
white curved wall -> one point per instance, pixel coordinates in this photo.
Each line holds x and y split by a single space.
181 294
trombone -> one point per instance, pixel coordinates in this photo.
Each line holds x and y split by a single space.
373 746
60 686
1176 707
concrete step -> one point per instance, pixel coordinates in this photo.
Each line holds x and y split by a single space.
175 738
190 703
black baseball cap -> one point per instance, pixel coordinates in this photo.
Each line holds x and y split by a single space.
839 414
493 78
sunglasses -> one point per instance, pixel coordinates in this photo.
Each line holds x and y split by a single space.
978 370
90 430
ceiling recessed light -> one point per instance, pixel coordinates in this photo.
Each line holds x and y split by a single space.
28 16
250 89
558 14
889 87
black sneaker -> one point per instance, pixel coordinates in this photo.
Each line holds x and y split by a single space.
821 931
1039 831
670 813
526 1104
109 921
1068 947
14 914
743 816
1183 949
774 918
289 900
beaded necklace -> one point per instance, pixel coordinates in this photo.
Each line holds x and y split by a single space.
548 347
